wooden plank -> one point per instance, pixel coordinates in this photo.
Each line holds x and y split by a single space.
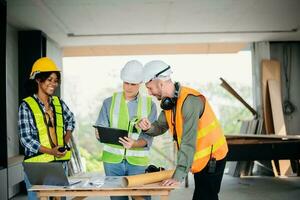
276 104
270 71
235 167
259 126
106 187
83 190
93 193
278 121
242 168
227 87
252 127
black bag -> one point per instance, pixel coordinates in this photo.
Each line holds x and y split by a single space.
153 168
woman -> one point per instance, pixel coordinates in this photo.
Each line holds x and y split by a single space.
45 121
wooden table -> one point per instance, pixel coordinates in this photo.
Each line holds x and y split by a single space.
83 190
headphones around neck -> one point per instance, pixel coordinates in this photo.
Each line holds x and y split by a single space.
168 103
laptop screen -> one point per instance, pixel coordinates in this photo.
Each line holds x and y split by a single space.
51 173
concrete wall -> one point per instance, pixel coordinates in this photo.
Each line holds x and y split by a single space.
275 50
54 51
260 51
279 51
12 91
15 171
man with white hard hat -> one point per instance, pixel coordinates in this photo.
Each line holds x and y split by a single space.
122 111
202 146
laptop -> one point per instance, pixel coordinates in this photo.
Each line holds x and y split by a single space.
110 135
51 173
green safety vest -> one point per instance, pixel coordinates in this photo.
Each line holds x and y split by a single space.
43 131
119 118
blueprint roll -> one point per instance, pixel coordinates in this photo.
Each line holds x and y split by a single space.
143 179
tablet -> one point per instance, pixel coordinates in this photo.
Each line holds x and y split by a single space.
110 135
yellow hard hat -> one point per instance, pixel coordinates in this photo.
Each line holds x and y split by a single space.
44 64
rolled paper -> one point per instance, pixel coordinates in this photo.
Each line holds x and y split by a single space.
143 179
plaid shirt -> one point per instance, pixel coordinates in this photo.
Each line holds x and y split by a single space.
28 130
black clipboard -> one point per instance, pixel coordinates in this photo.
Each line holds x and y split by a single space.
110 135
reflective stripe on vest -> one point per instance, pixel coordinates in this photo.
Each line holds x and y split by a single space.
43 132
119 118
121 151
137 153
114 150
60 127
144 107
210 136
206 151
114 115
204 131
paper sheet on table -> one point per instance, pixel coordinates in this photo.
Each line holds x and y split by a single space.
143 179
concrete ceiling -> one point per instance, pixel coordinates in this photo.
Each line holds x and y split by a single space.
132 22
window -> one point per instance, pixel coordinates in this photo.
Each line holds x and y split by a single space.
87 81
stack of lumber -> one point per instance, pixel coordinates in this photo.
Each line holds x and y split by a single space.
244 168
272 122
254 126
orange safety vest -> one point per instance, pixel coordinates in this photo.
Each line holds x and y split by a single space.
210 137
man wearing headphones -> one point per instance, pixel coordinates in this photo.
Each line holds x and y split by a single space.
202 146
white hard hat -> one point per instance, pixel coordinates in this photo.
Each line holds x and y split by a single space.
132 72
156 69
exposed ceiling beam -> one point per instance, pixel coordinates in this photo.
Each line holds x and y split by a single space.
155 49
293 30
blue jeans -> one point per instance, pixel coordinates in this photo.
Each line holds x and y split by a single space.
33 195
123 169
